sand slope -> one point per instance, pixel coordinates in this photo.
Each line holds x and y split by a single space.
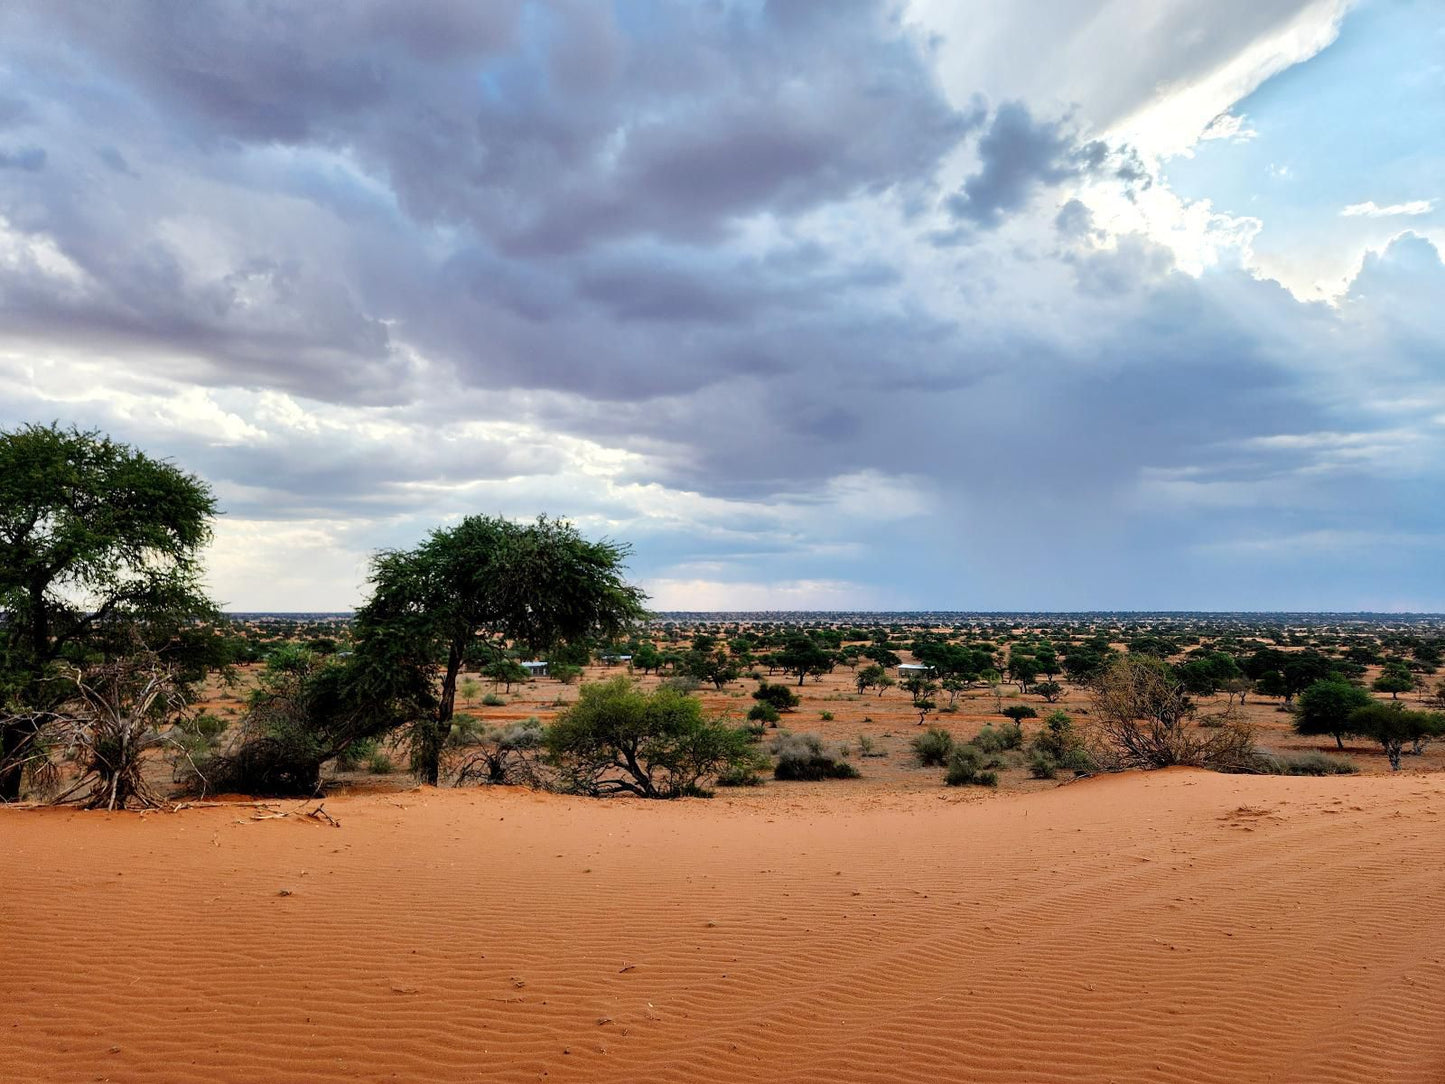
1172 927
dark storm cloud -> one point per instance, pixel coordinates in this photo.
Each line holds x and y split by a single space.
1018 155
681 234
543 125
546 141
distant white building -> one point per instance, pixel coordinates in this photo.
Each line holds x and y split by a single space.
613 660
536 669
908 669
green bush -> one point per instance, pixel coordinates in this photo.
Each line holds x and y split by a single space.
779 696
380 764
466 730
933 747
1309 763
564 672
993 739
965 768
619 739
1017 713
1060 744
827 716
1041 765
763 713
492 700
739 777
807 757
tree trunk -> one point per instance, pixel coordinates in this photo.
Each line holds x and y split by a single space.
1340 742
437 729
13 737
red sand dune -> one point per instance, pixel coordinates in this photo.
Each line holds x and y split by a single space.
1174 927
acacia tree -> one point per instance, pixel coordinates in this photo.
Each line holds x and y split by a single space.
1394 679
1392 726
1325 708
803 656
94 536
534 585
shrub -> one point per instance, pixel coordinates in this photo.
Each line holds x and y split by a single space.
993 739
1310 763
1041 765
763 713
686 684
466 730
492 700
932 747
564 672
965 768
778 695
204 725
380 764
1061 745
506 754
806 757
827 716
195 738
867 748
1139 709
739 777
618 739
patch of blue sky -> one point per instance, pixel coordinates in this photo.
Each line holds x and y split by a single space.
1358 126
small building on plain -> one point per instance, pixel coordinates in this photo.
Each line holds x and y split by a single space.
536 669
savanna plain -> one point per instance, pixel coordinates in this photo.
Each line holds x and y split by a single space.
1056 923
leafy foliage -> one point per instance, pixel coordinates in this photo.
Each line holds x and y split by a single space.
619 739
808 757
1392 726
99 545
536 585
1326 706
933 746
966 768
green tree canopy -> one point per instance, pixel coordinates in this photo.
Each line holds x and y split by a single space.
1394 679
94 535
1392 726
535 584
803 656
1325 708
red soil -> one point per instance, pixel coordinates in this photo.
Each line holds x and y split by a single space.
1179 926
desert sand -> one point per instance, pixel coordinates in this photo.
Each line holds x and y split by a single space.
1177 926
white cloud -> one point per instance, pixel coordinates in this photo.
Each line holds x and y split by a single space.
1229 126
1371 209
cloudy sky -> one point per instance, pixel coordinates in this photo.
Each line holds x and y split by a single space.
1057 304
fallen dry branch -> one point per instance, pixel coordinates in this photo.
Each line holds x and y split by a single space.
319 814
